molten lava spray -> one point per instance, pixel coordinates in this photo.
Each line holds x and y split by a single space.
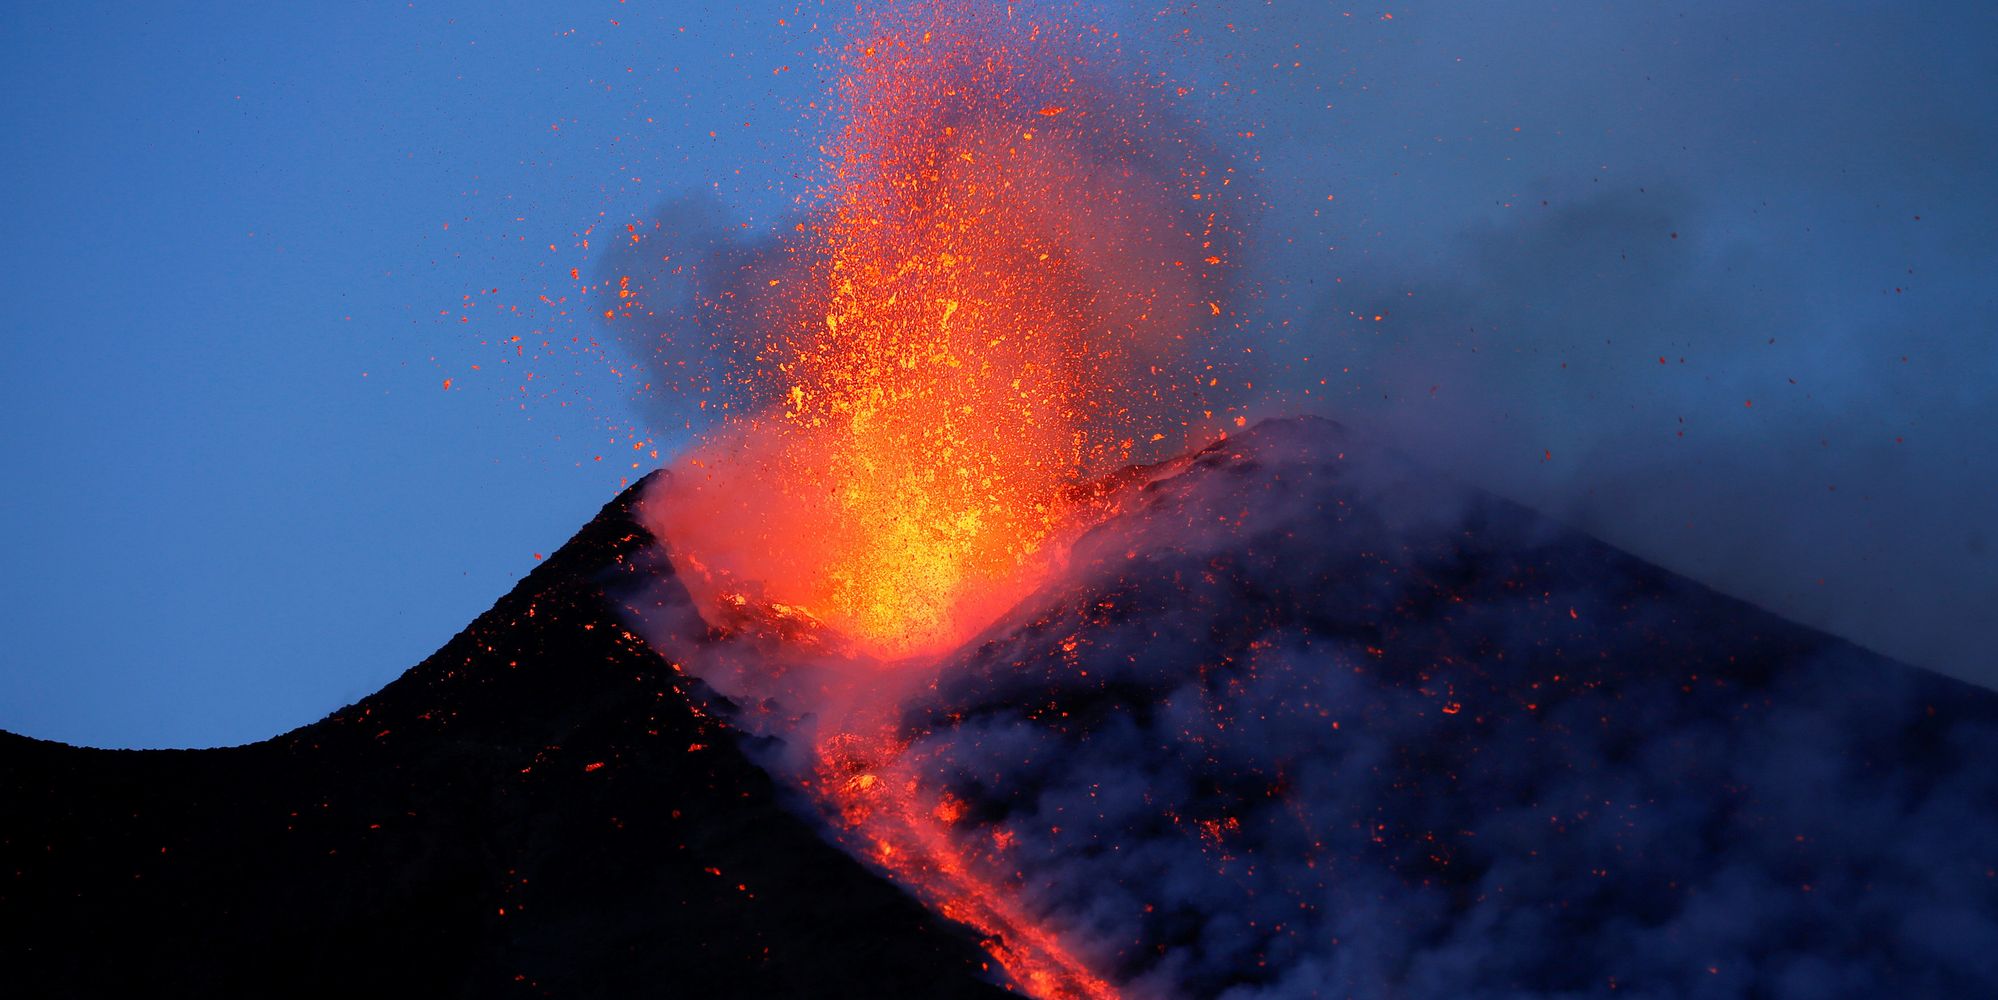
1013 283
1011 286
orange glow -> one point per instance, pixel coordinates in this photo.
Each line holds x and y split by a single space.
882 806
997 304
1012 285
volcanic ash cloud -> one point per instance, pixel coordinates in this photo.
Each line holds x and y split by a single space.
1298 719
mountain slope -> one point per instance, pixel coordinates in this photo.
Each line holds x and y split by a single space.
1304 719
535 809
1298 719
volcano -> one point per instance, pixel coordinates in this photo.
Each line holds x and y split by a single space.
1295 717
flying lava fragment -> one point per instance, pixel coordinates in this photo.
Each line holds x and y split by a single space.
1008 289
1012 285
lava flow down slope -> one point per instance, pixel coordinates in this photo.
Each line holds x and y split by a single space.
1279 718
977 642
1299 719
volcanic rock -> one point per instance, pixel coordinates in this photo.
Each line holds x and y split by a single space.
538 809
1299 718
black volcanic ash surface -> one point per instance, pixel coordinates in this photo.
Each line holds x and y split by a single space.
1299 721
535 810
1304 721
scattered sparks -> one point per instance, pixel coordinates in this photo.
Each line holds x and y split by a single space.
1012 285
992 314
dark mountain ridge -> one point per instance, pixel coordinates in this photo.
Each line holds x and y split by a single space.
1301 719
536 809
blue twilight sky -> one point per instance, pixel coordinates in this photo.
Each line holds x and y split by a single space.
246 246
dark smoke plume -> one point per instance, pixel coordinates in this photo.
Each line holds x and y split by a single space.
1304 720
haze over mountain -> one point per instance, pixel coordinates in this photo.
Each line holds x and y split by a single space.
1299 718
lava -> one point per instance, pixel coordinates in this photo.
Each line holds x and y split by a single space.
910 830
839 716
1013 283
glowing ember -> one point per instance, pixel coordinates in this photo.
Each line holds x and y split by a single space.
1010 288
908 830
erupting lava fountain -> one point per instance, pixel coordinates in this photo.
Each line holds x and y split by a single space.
1014 284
